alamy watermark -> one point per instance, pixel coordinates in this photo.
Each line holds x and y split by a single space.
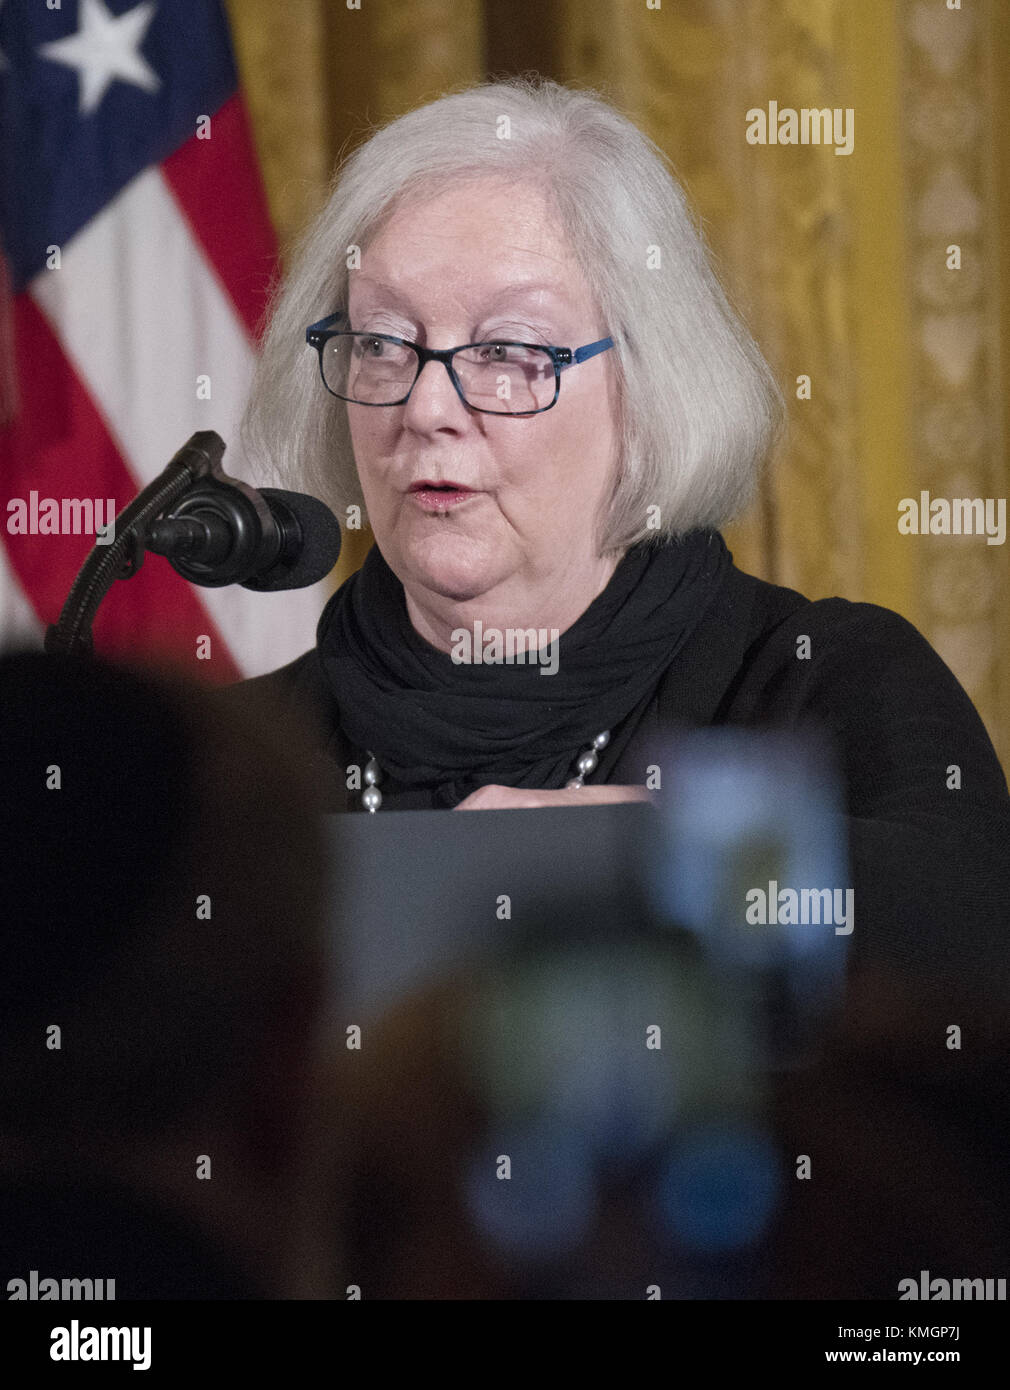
953 516
810 125
34 1289
956 1290
65 516
774 906
77 1343
515 646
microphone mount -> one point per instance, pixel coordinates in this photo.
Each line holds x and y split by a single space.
227 533
193 481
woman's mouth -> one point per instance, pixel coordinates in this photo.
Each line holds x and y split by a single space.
440 496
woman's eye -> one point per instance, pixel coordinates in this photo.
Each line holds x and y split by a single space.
497 352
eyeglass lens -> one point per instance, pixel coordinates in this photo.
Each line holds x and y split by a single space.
497 377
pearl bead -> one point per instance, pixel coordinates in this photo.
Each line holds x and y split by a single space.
371 797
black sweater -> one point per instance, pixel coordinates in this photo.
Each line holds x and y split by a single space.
930 865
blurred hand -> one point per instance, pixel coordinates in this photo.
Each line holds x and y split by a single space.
496 798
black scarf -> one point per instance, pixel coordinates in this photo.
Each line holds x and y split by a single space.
431 721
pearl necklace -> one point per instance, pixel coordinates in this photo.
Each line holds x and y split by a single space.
586 763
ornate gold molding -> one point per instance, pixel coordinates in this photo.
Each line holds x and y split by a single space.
949 83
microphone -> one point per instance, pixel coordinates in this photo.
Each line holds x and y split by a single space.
264 539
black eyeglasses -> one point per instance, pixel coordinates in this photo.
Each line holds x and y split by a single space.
497 377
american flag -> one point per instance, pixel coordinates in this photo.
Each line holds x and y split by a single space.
139 254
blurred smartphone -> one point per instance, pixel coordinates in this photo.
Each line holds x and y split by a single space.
623 1073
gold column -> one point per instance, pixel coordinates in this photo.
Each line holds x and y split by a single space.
279 51
775 219
952 74
998 39
874 196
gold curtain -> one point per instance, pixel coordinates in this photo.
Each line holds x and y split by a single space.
838 263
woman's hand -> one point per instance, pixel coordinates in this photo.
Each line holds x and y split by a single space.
496 798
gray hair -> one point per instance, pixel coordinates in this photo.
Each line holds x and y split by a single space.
700 407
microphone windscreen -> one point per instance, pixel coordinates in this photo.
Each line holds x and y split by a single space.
320 548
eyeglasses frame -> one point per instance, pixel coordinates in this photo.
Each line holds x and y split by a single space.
318 334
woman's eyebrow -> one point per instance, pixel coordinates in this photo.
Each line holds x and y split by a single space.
507 292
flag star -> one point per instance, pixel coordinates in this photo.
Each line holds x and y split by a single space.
105 47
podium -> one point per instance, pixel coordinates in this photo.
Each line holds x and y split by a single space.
416 894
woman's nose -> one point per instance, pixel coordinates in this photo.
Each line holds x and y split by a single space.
434 398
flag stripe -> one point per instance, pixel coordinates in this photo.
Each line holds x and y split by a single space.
60 446
217 185
141 318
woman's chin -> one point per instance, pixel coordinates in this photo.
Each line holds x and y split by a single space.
454 566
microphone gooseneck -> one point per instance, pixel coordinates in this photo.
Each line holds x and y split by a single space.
212 529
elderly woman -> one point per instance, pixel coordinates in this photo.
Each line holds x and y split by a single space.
522 369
